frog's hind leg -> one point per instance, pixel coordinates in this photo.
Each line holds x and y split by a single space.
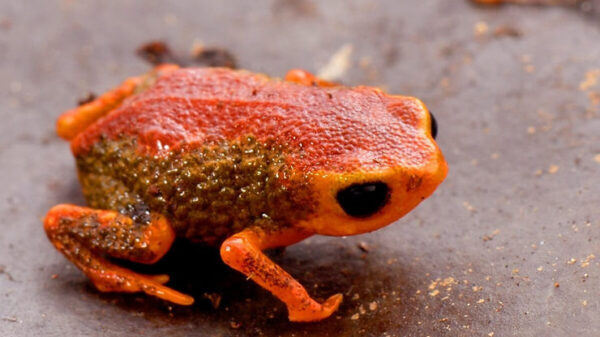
303 77
84 234
74 121
243 252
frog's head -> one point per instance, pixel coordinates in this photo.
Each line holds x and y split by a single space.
387 163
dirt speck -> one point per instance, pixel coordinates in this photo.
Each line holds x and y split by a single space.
590 80
586 262
491 236
338 64
89 97
467 205
214 298
156 52
363 246
373 306
3 271
507 31
212 57
5 24
295 7
480 28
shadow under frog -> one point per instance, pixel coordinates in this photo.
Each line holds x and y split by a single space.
230 300
322 264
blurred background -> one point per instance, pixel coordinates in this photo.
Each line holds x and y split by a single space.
506 246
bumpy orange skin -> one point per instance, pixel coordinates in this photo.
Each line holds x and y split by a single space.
339 128
334 136
74 121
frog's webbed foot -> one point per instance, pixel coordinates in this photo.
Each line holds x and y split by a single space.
83 235
303 77
74 121
243 252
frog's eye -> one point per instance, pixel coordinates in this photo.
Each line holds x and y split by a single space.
434 126
363 200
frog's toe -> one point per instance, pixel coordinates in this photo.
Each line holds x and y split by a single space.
333 303
313 311
116 279
166 293
161 278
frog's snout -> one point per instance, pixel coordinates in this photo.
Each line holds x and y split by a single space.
363 200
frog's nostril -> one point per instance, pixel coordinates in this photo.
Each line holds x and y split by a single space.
434 126
363 200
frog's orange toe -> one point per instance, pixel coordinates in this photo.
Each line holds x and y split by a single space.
168 294
117 279
312 312
333 302
161 278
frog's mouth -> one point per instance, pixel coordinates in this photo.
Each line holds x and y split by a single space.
363 200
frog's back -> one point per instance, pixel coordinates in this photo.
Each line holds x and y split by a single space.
329 126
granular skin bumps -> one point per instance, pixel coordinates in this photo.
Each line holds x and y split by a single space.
337 129
124 239
207 192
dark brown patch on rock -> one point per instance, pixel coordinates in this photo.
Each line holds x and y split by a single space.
156 52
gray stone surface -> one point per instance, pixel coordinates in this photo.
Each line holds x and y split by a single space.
510 241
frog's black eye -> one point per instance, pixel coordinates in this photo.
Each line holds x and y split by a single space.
363 200
434 126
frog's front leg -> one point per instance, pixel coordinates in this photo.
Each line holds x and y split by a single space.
74 121
243 252
84 234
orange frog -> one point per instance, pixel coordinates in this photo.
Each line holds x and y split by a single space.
239 161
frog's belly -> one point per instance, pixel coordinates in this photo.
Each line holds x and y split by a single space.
208 192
